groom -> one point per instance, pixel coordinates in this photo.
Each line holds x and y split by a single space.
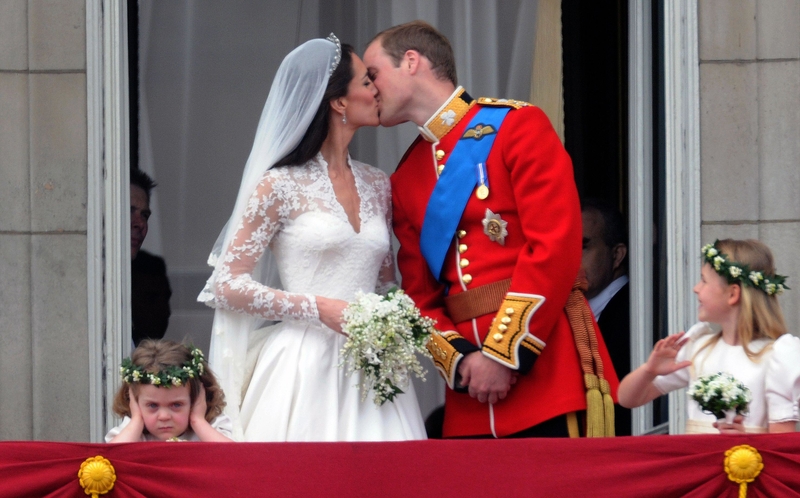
487 214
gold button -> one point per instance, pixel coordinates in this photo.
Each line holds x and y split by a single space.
439 154
506 320
462 234
509 311
463 263
466 278
462 248
440 168
497 337
502 327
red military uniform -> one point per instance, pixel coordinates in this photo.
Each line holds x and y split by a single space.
532 197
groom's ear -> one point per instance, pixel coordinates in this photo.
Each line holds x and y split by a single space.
411 61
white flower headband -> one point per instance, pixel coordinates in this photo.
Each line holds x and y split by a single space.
737 273
172 376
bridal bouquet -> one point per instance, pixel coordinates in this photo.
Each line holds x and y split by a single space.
384 333
720 394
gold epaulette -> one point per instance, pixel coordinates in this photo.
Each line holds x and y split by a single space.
516 104
445 356
510 331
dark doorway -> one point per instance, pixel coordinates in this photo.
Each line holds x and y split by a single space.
595 44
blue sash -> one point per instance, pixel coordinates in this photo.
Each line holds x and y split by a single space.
455 185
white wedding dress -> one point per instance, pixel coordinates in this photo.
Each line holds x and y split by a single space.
297 392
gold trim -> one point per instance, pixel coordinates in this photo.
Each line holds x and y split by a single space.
516 104
447 117
445 357
518 308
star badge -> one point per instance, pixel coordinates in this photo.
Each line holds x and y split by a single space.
495 227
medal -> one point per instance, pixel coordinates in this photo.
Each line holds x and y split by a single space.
482 192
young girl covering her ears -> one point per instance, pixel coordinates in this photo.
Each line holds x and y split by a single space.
169 394
737 292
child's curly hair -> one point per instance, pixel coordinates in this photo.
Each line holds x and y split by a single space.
156 355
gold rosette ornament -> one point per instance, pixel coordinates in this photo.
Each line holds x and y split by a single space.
743 464
97 476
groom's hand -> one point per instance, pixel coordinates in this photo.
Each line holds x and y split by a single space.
486 379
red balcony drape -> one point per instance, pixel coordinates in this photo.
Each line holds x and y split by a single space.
662 466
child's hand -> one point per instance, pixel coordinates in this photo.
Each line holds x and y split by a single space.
662 359
737 427
199 408
133 406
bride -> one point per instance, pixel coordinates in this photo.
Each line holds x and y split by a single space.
310 228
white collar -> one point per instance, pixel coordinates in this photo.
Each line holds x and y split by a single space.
598 303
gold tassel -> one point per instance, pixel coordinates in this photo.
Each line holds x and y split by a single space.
595 423
608 405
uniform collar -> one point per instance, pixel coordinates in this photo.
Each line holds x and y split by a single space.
448 116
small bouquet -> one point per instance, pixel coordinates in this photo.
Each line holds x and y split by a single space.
721 395
384 333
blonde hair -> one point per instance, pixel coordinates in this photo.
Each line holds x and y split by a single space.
156 355
760 315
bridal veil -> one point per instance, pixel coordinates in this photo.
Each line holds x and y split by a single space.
294 98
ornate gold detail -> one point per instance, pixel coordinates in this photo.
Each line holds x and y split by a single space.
514 332
97 476
479 131
482 192
743 463
516 104
448 116
445 356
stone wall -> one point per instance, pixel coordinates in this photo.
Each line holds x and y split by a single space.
750 129
44 387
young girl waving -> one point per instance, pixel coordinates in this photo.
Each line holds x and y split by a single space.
737 291
169 394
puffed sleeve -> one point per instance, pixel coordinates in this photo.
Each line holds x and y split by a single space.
224 425
782 383
116 430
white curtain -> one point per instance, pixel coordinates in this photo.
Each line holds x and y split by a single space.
205 68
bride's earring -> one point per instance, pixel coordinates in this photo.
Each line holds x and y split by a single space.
344 118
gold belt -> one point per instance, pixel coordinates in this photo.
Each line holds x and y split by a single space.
476 302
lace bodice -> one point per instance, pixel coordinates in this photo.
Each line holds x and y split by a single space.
294 212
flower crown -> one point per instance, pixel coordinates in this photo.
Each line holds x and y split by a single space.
171 376
338 57
737 273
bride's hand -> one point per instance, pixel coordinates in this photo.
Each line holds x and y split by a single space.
330 313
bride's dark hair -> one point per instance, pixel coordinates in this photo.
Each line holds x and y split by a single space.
317 131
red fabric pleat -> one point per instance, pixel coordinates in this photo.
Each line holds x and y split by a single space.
663 466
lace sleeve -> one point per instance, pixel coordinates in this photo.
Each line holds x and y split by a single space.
387 275
235 287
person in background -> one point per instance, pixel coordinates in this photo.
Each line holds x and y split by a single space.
605 264
150 290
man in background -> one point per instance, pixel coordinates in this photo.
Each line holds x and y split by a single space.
605 263
150 290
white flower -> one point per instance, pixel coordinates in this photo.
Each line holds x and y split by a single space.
448 117
755 277
771 289
718 260
735 271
